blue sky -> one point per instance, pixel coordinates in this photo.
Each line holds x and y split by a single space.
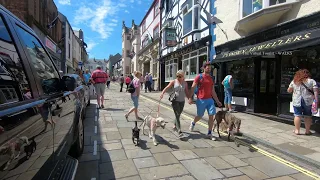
101 21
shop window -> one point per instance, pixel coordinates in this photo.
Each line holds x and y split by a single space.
191 16
44 68
192 62
14 85
243 75
171 70
303 59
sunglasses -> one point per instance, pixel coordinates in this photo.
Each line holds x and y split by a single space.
179 76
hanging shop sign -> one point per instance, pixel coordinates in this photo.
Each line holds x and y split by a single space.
170 37
50 45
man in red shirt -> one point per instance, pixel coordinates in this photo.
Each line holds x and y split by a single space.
99 79
205 96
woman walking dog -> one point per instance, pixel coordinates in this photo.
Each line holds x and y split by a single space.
180 91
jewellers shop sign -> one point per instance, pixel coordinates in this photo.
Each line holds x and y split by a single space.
289 42
50 45
170 37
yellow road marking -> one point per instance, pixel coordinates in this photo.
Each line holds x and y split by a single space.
270 155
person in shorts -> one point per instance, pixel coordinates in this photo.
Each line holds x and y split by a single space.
205 96
228 86
99 79
135 96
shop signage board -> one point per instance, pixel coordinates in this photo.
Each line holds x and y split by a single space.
49 44
170 37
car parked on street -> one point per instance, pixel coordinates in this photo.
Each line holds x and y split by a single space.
41 113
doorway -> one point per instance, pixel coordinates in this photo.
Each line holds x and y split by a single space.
266 86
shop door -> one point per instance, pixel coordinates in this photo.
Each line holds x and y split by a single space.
266 100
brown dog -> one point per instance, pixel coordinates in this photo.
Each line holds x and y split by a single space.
219 117
232 122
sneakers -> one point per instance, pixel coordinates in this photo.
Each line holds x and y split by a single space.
191 126
211 137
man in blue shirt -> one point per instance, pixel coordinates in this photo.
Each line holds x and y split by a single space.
87 76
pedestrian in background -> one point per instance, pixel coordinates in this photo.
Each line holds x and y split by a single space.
108 82
121 79
99 79
205 95
180 92
304 92
151 82
128 80
87 76
141 82
135 96
228 86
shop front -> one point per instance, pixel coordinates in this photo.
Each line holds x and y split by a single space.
189 59
264 65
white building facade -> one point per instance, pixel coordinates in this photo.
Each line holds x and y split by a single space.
92 64
76 51
264 43
130 35
185 38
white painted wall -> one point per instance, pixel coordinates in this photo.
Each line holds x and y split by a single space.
76 53
229 13
92 65
68 40
151 22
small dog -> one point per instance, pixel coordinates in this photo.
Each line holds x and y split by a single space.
11 148
153 124
232 122
135 133
31 148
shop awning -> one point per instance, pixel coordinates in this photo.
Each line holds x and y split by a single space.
277 46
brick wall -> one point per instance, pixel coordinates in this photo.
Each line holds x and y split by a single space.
17 7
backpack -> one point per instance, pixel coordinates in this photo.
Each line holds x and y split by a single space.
131 88
226 82
198 85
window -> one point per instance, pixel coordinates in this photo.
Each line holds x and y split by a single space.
251 6
156 9
143 27
145 41
128 38
191 16
243 75
191 63
14 85
169 5
156 32
44 68
171 68
69 50
155 70
128 53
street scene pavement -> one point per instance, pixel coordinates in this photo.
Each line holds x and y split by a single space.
110 153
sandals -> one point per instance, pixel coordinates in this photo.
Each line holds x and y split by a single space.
296 133
308 134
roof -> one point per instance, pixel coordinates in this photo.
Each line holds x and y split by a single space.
145 16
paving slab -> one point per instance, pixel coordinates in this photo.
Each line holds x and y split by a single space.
110 146
117 169
184 154
88 170
159 148
283 178
218 151
270 167
89 157
300 176
113 136
163 172
253 173
199 143
234 161
165 158
185 177
243 177
145 162
201 169
218 163
131 178
137 153
113 155
231 172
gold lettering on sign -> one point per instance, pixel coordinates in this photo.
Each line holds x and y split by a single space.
264 46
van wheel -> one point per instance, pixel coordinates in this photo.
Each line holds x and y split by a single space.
78 146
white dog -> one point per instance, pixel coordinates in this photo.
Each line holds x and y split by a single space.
153 124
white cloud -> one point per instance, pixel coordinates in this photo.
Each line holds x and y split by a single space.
112 24
95 15
114 20
126 11
91 45
65 2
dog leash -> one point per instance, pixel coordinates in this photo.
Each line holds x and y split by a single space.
158 112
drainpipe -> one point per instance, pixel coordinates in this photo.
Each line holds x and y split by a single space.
160 45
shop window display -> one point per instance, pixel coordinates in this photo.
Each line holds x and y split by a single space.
243 75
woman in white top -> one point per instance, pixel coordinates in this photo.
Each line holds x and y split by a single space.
180 89
302 99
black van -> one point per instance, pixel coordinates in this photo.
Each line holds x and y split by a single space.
41 113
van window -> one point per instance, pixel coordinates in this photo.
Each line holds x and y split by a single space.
14 85
48 76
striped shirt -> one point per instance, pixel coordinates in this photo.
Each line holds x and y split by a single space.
99 76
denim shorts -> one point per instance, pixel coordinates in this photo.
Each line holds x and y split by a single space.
135 101
205 104
303 110
227 96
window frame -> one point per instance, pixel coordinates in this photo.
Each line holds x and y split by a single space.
188 57
192 10
265 4
156 9
171 62
156 27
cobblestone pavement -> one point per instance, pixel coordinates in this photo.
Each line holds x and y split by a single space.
110 154
277 134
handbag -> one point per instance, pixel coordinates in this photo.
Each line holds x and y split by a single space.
314 105
172 96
